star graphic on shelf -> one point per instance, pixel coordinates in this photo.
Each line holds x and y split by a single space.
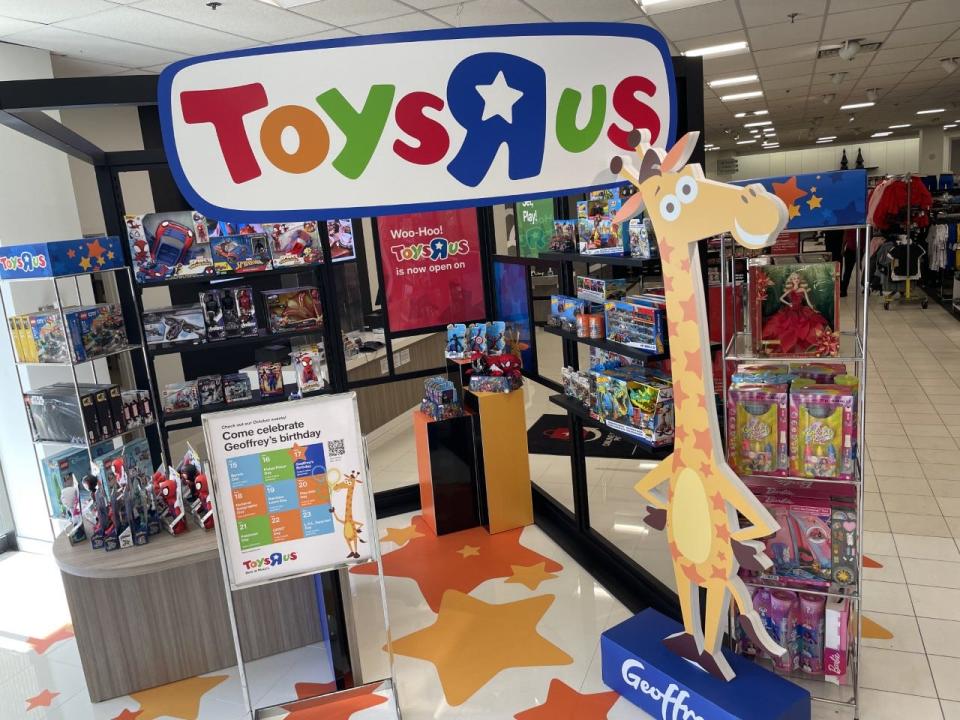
565 703
814 202
401 536
127 714
41 645
71 253
471 641
469 551
435 564
498 98
42 700
788 191
792 212
95 249
111 255
180 699
85 263
297 452
339 706
530 576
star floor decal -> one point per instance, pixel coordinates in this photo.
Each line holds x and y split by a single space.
471 641
180 699
530 576
41 645
565 703
42 699
401 536
458 561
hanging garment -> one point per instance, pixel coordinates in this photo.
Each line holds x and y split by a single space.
906 261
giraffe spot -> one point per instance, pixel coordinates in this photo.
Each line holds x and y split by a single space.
690 516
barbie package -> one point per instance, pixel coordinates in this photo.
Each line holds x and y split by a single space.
822 430
757 429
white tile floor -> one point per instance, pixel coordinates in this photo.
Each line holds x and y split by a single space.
913 524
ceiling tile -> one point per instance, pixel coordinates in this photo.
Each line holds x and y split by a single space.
918 35
428 4
796 84
480 12
792 53
950 48
888 81
701 20
722 66
929 12
91 47
846 5
324 35
247 18
8 26
132 25
72 67
768 37
413 21
837 64
904 54
859 23
50 11
594 10
767 12
881 71
352 12
775 72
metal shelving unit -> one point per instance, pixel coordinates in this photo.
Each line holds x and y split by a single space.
852 352
133 349
574 407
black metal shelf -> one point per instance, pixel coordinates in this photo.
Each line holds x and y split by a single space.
194 416
213 277
261 338
622 260
574 406
608 345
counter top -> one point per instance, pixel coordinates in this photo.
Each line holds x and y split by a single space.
163 552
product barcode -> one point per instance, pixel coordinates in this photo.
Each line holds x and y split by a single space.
336 448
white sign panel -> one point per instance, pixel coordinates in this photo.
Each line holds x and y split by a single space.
430 120
290 487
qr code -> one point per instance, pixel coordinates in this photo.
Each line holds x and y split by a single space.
336 448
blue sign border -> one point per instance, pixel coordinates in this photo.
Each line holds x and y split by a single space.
631 30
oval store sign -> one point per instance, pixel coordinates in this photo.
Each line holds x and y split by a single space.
412 121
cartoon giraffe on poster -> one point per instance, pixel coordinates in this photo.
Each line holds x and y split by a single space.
703 494
351 528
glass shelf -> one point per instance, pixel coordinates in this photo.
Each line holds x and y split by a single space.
740 348
122 350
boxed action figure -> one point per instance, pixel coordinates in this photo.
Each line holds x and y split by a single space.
169 245
211 301
496 337
293 309
63 470
241 307
236 388
180 397
306 363
95 330
270 375
477 338
456 341
180 324
240 254
296 243
210 390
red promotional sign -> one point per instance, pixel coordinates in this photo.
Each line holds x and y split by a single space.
431 269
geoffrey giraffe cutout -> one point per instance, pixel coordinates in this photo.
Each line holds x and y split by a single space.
351 528
703 494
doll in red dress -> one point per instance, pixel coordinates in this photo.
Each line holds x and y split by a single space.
797 326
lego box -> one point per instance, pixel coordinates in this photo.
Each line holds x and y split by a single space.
65 257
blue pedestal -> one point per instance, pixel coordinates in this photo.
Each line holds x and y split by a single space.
639 667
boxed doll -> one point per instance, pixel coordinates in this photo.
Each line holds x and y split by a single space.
183 323
822 430
240 254
340 237
757 429
293 309
239 310
212 303
795 308
643 243
295 243
564 238
171 245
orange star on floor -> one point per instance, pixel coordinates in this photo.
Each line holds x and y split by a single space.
42 700
530 575
297 452
41 645
565 703
471 641
788 191
435 564
339 706
180 699
127 714
468 551
95 249
401 536
874 630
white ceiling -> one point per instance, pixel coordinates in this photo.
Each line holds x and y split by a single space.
100 37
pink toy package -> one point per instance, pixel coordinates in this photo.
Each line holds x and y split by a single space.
822 430
818 372
757 429
810 625
836 640
810 527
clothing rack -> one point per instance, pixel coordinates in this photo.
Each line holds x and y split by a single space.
908 295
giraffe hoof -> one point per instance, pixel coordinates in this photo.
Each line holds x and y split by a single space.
750 556
656 518
717 666
684 645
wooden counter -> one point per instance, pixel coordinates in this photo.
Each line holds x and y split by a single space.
155 614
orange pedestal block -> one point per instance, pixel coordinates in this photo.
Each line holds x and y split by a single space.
447 471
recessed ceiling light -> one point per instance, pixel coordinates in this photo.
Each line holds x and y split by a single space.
671 4
712 149
740 115
743 95
823 142
930 112
827 138
897 127
884 133
739 80
769 131
854 106
758 123
761 112
746 142
770 146
733 47
949 126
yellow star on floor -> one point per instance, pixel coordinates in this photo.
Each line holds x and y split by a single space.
180 699
401 536
794 211
471 641
814 202
469 551
530 575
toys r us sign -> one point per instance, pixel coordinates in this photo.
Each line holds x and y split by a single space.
413 121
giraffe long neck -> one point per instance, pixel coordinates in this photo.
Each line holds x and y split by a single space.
348 508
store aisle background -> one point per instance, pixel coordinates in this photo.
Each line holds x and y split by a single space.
911 664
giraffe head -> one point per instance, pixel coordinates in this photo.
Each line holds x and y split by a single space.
685 207
349 481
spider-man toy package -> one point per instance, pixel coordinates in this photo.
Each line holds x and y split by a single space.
293 309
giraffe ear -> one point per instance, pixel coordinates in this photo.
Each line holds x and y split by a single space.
651 164
631 208
680 152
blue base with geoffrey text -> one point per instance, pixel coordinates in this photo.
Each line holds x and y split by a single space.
638 666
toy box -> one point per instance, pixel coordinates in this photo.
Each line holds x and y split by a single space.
477 338
54 415
307 364
456 341
760 374
238 304
822 430
758 427
818 372
210 390
180 324
843 537
240 254
564 311
599 289
564 238
62 470
63 257
170 245
236 388
340 236
221 228
180 397
44 338
637 401
595 225
636 325
496 337
440 390
576 384
295 243
96 330
294 309
137 408
643 243
495 383
211 301
270 376
795 308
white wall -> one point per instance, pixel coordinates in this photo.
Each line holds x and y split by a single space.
889 157
36 204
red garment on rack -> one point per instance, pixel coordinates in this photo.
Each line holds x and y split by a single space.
889 198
